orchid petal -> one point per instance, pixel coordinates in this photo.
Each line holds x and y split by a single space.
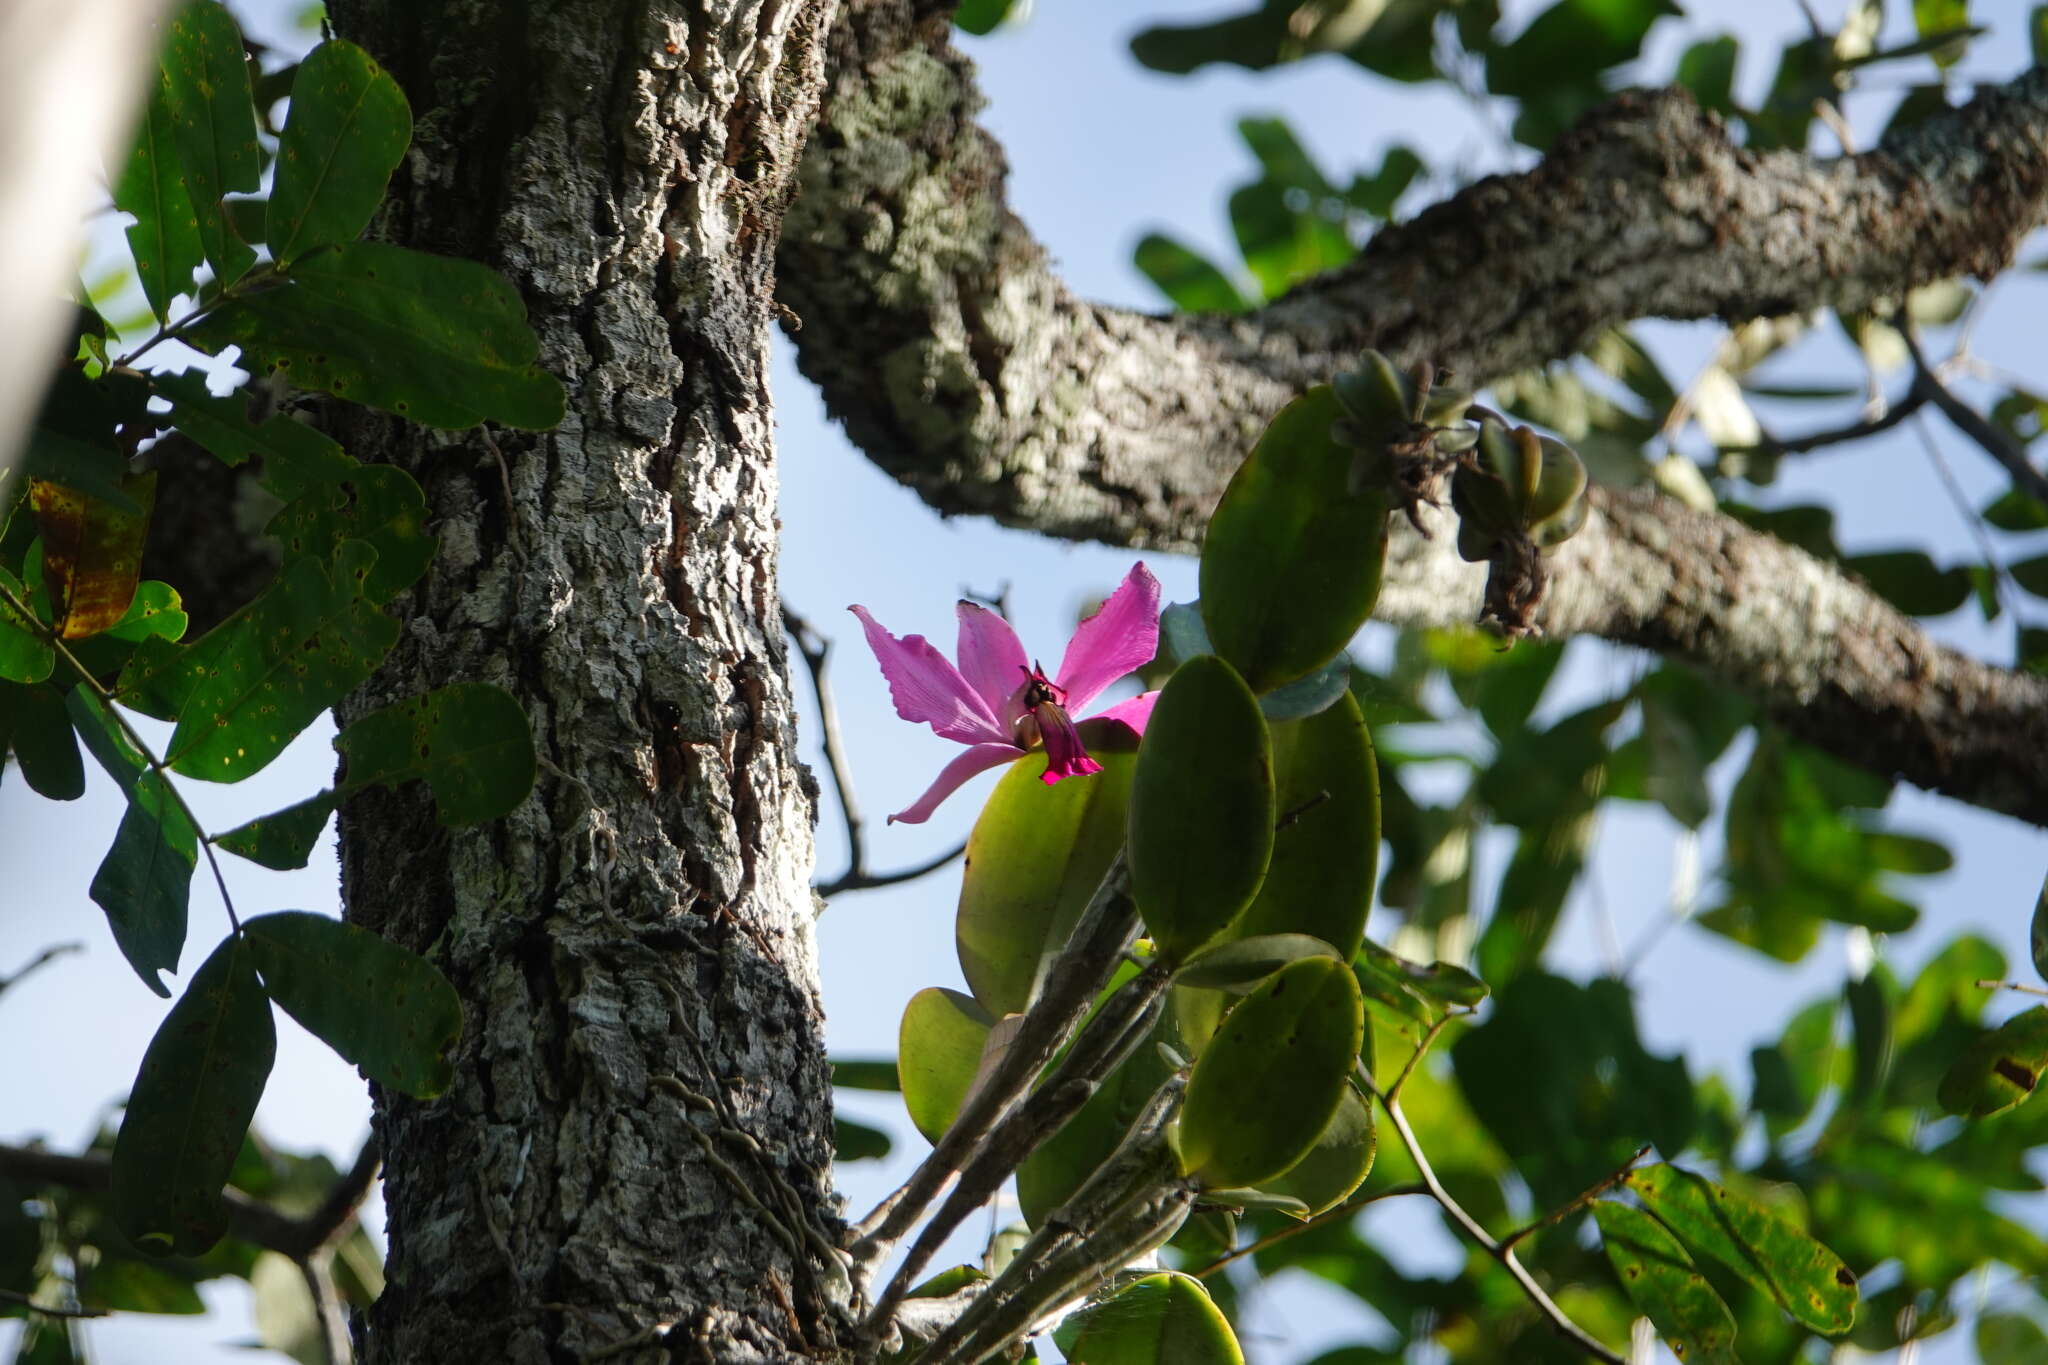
978 758
1131 714
1065 754
927 688
1121 636
992 660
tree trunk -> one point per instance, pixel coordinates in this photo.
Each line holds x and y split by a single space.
638 1146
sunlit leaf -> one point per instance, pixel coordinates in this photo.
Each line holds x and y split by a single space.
1266 1085
1800 1275
939 1048
1337 1164
191 1106
382 1007
1163 1319
1662 1281
92 552
1999 1070
1188 280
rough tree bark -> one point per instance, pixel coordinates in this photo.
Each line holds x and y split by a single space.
638 1145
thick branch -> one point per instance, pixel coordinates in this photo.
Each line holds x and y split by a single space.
961 364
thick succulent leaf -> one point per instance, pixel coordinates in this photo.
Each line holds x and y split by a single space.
1661 1280
469 742
384 1008
1266 1085
349 125
1801 1276
1201 824
2000 1069
213 123
1338 1163
1034 860
1291 566
191 1106
1163 1319
939 1048
441 341
165 237
1239 964
1326 849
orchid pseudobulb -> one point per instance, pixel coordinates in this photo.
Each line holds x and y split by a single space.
1002 705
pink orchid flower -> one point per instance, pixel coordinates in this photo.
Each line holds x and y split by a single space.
1002 706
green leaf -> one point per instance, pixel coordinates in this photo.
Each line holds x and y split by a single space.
1283 245
866 1073
349 125
247 688
1662 1281
2031 574
2013 510
1412 989
1791 1073
213 121
1572 42
1326 851
295 456
1311 695
1239 964
1339 1162
2000 1069
1801 1276
1707 68
284 840
379 505
124 1284
1188 280
2038 932
469 742
939 1048
92 552
853 1141
441 341
44 744
1266 1086
384 1008
1291 566
25 656
144 882
2008 1338
191 1106
1909 581
1201 825
982 17
1035 857
165 237
1163 1319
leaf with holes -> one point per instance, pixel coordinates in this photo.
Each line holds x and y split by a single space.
382 1007
1999 1069
191 1106
165 238
213 124
1662 1281
1801 1276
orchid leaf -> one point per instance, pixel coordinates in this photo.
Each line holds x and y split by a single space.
1291 566
939 1049
1202 814
1267 1084
1163 1319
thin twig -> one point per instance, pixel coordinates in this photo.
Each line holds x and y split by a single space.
1329 1215
1993 984
1893 414
1106 928
317 1269
1499 1251
39 961
816 651
51 636
1408 1067
1585 1197
2001 580
1971 422
17 1297
249 1219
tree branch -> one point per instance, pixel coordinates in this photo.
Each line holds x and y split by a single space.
943 341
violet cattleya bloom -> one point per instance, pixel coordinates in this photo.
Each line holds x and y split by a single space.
1002 706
